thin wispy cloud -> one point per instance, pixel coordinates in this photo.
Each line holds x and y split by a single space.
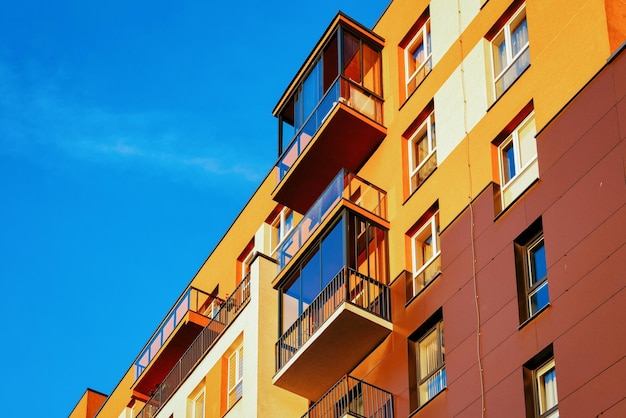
36 114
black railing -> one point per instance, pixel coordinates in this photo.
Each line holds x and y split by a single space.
347 286
353 397
227 313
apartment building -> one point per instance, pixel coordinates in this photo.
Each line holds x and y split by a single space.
442 234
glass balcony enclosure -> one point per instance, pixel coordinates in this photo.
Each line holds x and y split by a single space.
338 90
345 186
191 312
335 295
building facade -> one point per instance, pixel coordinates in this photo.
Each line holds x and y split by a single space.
442 235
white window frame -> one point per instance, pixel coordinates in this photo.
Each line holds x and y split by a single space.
508 48
544 411
438 373
433 224
199 400
520 170
428 124
533 288
237 385
281 227
424 34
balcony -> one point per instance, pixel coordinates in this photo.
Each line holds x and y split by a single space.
227 312
331 114
183 323
347 188
343 324
352 397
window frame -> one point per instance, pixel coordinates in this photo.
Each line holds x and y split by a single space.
434 324
237 385
423 34
416 137
281 227
200 397
431 222
540 390
524 246
504 35
513 139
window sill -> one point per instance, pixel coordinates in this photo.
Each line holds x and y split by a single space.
539 312
416 411
422 290
417 88
230 408
514 201
508 88
419 186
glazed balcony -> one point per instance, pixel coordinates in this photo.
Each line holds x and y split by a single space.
340 327
190 314
352 397
226 313
347 189
331 114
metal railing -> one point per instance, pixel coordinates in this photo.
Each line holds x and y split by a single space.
345 185
347 286
227 313
193 300
344 91
353 397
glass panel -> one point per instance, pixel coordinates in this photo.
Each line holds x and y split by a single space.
429 354
519 34
539 298
508 162
432 386
311 285
351 58
312 90
423 246
372 70
331 63
528 145
538 263
548 397
290 302
499 53
332 254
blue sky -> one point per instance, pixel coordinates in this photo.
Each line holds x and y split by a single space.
131 135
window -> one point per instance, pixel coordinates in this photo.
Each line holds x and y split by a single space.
540 386
517 160
235 376
427 362
417 54
281 227
422 152
425 251
198 406
547 398
532 272
510 52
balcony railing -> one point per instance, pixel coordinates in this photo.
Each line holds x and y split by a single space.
193 300
227 313
347 286
353 397
346 186
342 91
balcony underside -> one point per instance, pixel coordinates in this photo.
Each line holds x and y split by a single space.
336 348
345 140
170 353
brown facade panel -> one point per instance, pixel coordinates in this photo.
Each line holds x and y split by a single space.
587 350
